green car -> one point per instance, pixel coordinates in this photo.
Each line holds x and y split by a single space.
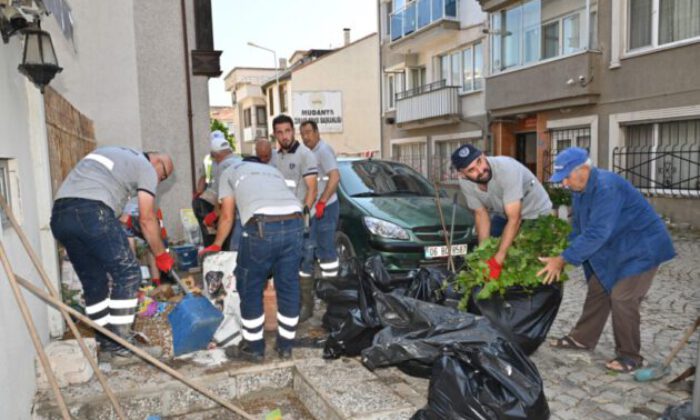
391 209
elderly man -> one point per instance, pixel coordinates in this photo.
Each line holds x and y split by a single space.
502 193
264 151
85 219
620 241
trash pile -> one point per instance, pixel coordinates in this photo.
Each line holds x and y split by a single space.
478 366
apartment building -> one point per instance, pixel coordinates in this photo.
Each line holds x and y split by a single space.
618 78
433 61
249 105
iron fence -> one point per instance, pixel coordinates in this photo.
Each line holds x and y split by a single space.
672 170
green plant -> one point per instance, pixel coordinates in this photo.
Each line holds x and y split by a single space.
558 195
543 237
218 125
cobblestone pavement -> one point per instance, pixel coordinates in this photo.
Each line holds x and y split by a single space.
577 384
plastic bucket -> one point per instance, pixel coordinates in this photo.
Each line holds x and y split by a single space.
186 256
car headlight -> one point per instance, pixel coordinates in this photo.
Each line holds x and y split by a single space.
385 229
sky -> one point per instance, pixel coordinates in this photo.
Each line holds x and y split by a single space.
284 26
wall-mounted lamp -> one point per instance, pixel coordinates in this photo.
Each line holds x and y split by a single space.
39 63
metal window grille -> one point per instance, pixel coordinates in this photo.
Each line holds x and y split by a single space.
563 139
442 165
661 158
411 154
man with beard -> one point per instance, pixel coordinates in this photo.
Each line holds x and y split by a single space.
502 193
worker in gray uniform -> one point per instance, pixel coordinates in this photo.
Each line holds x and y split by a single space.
85 220
271 243
502 193
222 155
326 213
204 197
300 169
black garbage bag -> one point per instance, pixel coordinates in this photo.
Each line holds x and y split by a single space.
472 382
487 371
680 411
380 277
428 284
524 316
352 336
336 314
328 293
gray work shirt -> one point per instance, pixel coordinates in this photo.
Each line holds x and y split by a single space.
295 164
325 156
220 168
111 175
257 188
511 181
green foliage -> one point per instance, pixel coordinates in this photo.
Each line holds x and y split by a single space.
560 196
218 125
543 237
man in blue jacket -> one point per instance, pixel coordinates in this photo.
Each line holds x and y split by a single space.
620 241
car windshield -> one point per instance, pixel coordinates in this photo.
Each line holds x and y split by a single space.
371 178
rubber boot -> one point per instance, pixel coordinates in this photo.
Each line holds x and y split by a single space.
121 355
306 287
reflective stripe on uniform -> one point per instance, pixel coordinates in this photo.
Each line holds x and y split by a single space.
284 333
292 322
121 319
102 321
123 303
290 183
97 307
304 274
249 336
329 269
252 324
103 160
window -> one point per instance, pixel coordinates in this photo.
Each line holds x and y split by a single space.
390 92
283 98
563 139
260 116
661 157
678 20
271 101
411 154
5 189
456 69
472 63
442 164
417 77
536 30
246 118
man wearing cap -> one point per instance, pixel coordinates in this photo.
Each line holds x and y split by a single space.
85 220
271 242
321 243
204 198
222 155
502 193
620 241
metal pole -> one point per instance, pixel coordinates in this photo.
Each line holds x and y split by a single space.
696 386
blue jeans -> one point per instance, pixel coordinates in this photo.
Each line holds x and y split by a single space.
321 243
97 246
235 236
277 252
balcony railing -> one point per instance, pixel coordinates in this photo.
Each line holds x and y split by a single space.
672 170
433 100
420 13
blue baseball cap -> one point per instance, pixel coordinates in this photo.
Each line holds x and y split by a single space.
567 161
464 155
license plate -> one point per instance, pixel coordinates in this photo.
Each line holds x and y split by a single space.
441 251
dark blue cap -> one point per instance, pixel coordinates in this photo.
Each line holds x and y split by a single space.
567 161
464 155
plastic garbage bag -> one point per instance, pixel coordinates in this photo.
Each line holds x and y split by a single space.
524 316
474 367
428 284
352 336
469 382
680 411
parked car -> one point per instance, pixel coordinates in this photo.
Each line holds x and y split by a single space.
389 208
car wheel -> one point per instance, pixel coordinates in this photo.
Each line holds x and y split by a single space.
344 247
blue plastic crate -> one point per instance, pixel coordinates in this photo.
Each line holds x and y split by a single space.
194 322
186 257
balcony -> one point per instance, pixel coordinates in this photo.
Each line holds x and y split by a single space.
431 104
435 17
253 132
561 83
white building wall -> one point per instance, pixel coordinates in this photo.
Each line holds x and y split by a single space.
99 70
23 140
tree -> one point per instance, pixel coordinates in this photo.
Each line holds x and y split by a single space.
218 125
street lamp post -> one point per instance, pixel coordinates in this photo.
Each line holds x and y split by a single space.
277 75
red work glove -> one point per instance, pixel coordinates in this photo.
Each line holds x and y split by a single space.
494 268
209 250
210 218
320 208
130 222
165 262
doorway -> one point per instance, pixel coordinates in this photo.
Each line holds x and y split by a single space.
526 150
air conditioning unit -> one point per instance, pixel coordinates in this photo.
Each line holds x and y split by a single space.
261 132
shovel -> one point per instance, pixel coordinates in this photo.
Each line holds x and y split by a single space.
194 321
658 370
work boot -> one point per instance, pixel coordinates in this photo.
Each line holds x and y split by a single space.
243 351
306 289
284 353
116 354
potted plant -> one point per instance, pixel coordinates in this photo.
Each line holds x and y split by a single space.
561 200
